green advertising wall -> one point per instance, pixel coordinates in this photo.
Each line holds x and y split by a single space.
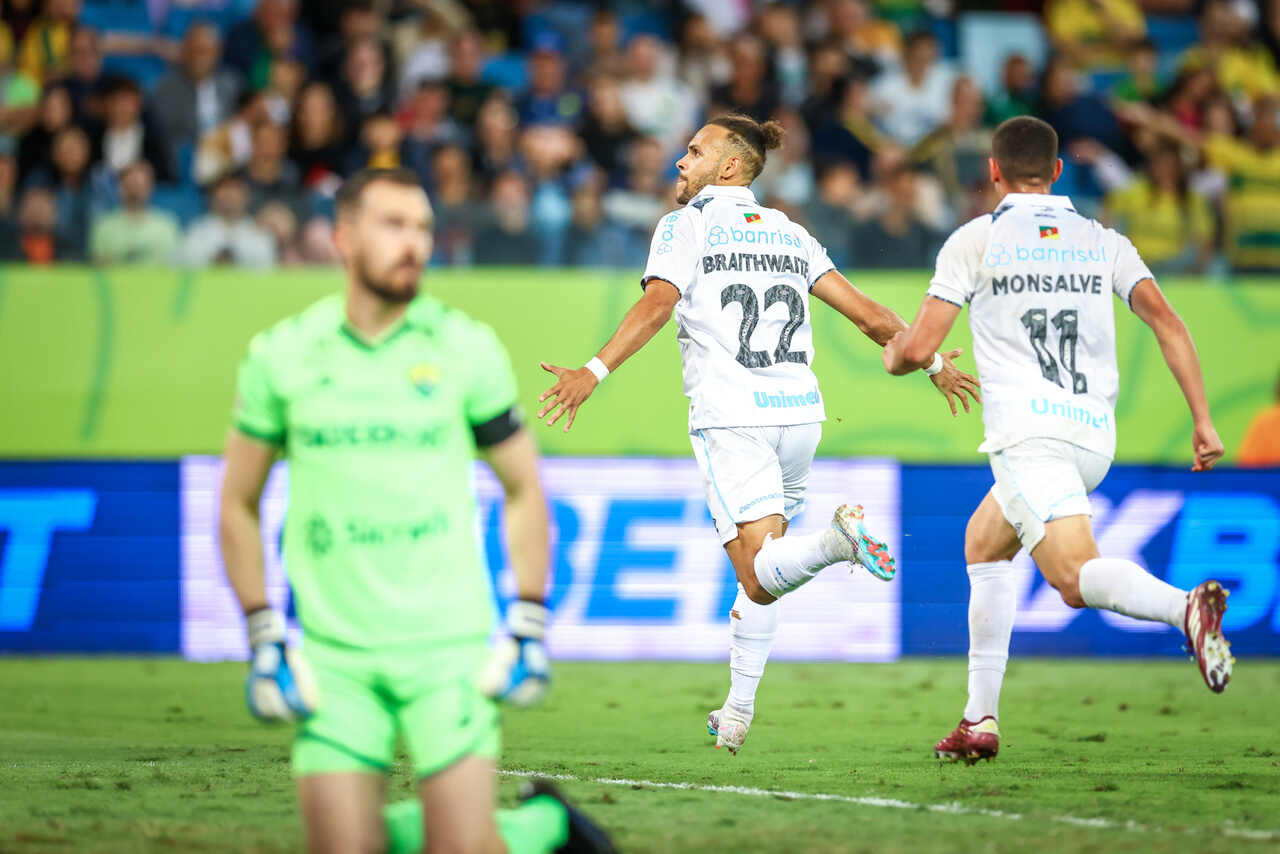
140 363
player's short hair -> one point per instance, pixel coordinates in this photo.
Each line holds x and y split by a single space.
751 139
352 189
1026 149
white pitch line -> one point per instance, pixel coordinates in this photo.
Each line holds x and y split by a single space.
953 808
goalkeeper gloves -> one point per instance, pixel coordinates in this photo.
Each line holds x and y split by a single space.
280 685
518 670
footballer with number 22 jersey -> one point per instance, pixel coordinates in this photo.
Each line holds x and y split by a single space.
745 272
738 277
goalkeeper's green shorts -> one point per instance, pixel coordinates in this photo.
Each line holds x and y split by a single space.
368 698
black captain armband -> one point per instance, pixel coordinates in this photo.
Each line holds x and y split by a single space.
497 429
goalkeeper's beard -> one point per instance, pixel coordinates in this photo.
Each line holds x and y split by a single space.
383 288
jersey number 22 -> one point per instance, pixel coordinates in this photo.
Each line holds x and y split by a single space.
746 297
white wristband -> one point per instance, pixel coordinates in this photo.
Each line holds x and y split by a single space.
598 368
936 367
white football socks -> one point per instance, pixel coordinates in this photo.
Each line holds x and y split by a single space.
993 603
751 630
1120 585
785 563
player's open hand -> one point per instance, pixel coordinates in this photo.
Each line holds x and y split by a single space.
571 390
955 384
1207 446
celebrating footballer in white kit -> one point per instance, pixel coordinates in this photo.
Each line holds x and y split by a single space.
738 276
1039 281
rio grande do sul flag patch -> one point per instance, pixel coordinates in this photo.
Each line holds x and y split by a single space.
1048 232
751 217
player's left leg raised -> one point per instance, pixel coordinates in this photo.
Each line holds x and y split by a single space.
784 564
1122 586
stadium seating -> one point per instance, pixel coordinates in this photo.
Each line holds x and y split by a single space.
987 39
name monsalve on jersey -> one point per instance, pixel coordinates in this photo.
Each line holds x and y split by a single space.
1046 283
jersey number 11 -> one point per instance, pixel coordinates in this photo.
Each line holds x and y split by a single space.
1066 322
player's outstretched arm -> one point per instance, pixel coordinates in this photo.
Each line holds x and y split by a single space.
912 349
573 386
916 348
877 322
519 670
883 325
1149 303
280 685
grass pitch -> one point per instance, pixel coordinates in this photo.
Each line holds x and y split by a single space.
139 755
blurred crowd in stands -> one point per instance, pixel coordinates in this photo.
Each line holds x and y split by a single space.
199 132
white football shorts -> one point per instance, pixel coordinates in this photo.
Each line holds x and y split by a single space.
753 472
1039 480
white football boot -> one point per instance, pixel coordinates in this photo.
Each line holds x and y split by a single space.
729 729
848 538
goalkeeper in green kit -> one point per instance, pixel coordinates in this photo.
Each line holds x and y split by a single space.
379 400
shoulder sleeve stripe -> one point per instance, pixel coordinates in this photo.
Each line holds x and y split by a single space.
1129 297
819 276
644 283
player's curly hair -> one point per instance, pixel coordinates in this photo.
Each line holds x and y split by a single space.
751 139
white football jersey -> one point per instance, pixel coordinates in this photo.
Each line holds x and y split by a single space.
744 273
1039 280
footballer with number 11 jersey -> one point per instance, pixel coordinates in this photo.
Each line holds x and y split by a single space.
1041 283
738 277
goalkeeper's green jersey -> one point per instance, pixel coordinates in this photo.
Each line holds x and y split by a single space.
380 538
